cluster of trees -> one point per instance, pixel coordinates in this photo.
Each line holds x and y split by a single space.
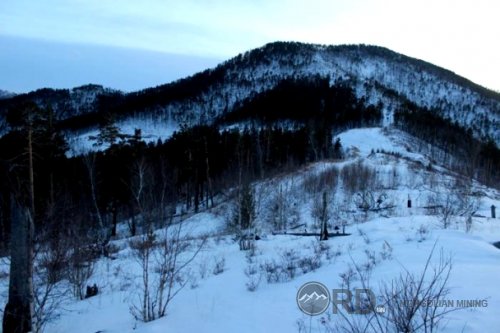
190 168
64 198
85 103
459 148
307 100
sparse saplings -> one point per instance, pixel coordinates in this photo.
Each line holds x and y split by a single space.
144 308
447 208
357 177
467 201
283 212
245 208
322 213
326 180
90 164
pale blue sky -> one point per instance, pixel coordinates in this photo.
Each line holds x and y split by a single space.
458 35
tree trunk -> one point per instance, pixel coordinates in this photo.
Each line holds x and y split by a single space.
324 219
114 212
19 308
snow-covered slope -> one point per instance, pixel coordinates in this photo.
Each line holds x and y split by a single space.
376 74
388 241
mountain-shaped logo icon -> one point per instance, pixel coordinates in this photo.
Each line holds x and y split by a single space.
313 298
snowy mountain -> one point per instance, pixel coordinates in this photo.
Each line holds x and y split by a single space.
216 228
378 76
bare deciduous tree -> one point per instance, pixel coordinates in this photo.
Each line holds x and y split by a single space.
164 264
49 293
89 161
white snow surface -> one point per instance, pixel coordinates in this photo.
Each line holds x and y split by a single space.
222 303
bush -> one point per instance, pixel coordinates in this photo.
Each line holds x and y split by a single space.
309 264
422 233
289 259
254 277
386 252
363 234
272 271
219 266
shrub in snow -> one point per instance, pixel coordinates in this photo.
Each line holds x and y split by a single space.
371 261
321 248
386 252
309 264
203 269
289 266
363 234
272 271
251 253
251 270
407 301
253 282
422 233
254 276
220 265
193 282
289 260
348 278
337 252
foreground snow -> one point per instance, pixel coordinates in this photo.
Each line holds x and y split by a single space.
221 303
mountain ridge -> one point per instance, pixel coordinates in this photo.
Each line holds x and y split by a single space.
376 74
